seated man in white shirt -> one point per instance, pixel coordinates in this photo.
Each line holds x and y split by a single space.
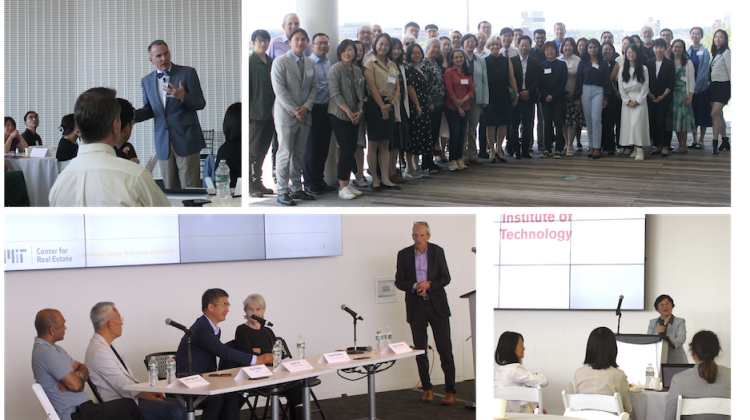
97 177
110 373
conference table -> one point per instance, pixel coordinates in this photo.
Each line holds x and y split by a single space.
648 405
39 176
218 385
176 199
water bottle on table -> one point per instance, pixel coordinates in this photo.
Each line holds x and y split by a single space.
388 337
277 350
222 180
301 347
171 370
649 376
153 372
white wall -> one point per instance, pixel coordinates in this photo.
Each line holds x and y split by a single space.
56 50
303 297
687 258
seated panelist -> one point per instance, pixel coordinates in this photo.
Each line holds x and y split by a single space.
510 372
206 347
254 338
110 374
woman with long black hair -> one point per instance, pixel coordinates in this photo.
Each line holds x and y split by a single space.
720 90
592 92
510 372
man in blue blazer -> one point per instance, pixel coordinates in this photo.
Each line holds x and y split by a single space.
172 96
206 347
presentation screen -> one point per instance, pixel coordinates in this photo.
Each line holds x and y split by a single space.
560 261
102 240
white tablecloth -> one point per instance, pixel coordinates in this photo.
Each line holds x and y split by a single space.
648 405
39 173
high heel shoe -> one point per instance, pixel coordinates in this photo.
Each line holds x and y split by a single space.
715 147
724 144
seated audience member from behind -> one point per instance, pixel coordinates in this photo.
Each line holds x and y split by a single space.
97 177
67 149
510 372
63 379
231 150
110 374
705 380
123 148
599 374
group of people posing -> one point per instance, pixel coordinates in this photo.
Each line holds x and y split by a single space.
407 101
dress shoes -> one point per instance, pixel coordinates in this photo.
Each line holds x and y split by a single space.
656 151
390 187
312 190
285 199
326 188
475 161
397 178
449 399
301 195
483 155
527 155
427 397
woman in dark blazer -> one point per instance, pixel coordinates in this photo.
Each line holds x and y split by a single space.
554 76
660 89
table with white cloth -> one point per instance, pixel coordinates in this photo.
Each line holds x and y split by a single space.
177 199
648 405
39 175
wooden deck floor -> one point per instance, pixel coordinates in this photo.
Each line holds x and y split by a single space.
694 179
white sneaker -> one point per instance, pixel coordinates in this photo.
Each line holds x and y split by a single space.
570 152
453 166
354 190
346 194
361 182
461 164
413 174
639 153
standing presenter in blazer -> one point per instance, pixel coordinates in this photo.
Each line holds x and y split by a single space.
172 96
422 273
670 328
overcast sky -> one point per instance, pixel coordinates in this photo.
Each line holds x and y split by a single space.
453 13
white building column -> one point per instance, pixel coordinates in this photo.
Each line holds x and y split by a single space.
323 16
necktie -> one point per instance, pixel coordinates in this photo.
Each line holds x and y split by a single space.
160 75
301 65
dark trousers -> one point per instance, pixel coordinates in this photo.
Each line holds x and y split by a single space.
660 122
539 127
553 114
274 149
610 115
457 127
523 118
346 137
436 117
120 409
224 407
317 147
441 331
261 134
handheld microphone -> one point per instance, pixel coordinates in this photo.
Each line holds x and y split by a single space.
180 327
350 312
260 320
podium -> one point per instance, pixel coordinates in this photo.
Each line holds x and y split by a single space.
474 314
636 351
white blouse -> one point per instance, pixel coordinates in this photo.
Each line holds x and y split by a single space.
515 374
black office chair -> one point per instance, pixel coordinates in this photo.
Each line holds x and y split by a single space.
94 391
161 359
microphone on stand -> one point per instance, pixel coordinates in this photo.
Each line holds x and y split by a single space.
180 327
260 320
619 305
350 312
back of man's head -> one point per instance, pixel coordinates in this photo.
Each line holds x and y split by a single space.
212 296
127 112
95 111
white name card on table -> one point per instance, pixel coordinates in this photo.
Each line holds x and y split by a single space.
253 372
335 357
397 348
40 152
189 382
297 365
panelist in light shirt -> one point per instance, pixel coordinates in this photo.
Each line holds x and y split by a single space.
510 372
670 328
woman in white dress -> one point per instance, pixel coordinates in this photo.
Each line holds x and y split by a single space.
633 85
510 372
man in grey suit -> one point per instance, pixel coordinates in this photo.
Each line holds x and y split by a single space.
295 85
172 95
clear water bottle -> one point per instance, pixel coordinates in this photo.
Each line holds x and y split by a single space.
222 179
277 350
649 376
153 372
171 370
301 347
379 340
388 337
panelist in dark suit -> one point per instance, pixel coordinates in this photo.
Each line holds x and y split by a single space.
172 95
421 272
206 347
526 71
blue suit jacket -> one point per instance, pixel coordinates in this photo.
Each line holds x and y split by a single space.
178 123
206 348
